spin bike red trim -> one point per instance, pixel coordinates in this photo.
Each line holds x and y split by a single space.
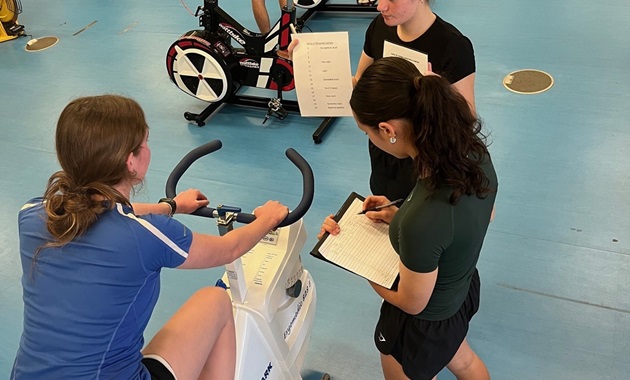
213 63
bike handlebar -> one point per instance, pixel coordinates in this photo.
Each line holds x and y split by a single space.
308 184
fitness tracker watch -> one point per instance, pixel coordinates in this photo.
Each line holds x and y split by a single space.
171 203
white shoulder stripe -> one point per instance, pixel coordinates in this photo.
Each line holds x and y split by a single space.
151 228
29 205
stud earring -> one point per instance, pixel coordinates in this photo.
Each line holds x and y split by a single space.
392 140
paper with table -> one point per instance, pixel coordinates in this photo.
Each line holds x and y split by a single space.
420 60
362 246
323 78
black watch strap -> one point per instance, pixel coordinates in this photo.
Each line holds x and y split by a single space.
171 202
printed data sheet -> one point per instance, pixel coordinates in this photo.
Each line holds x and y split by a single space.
323 79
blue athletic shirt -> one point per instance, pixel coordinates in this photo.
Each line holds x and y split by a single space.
86 304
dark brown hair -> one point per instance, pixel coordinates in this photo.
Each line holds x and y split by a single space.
94 138
447 136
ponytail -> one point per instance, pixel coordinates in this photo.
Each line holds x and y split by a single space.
448 138
73 208
446 133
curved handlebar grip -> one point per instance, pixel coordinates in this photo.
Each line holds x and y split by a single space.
308 187
184 164
308 183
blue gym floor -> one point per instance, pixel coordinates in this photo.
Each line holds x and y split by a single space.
555 266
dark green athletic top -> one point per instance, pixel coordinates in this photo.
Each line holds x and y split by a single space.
428 233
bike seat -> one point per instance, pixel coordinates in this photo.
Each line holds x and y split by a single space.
306 3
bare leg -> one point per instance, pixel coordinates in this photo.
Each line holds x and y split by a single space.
261 16
466 365
199 340
392 370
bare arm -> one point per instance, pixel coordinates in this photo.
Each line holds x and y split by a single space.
414 290
364 62
466 87
187 202
151 208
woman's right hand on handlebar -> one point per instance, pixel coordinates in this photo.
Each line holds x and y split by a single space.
273 211
208 251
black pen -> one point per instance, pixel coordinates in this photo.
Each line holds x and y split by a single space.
376 208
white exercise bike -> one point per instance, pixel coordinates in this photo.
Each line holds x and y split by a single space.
273 295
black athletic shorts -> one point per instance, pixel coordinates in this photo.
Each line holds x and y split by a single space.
158 368
424 348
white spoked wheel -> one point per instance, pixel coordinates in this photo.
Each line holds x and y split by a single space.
196 72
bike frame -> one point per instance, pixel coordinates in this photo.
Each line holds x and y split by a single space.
215 20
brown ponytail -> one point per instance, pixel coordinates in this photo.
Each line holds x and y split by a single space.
71 209
448 139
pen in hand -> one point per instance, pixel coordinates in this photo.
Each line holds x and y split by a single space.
376 208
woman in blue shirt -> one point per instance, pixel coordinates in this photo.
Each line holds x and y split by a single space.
91 261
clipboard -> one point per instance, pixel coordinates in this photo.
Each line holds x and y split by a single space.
362 248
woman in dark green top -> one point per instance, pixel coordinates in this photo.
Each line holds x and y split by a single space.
439 229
